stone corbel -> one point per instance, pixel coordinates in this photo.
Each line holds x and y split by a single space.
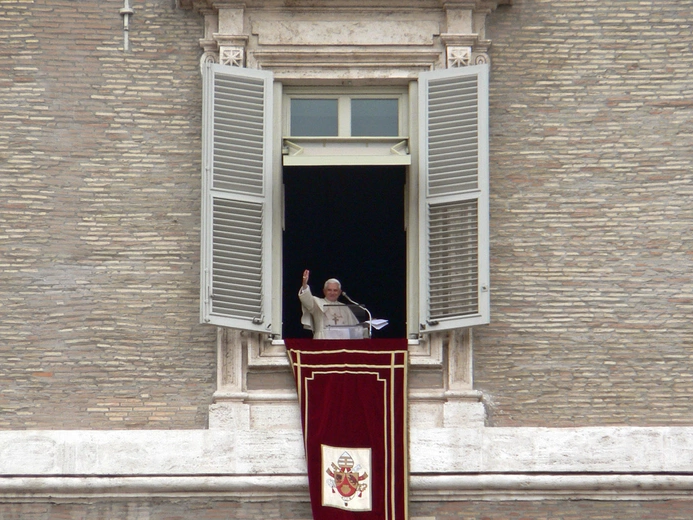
230 34
210 47
223 41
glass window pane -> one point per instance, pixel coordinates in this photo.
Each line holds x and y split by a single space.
374 117
314 117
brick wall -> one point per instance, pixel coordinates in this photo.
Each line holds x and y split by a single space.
591 118
591 214
99 228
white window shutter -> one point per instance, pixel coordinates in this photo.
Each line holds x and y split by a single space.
236 198
454 191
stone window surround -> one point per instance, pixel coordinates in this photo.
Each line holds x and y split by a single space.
361 45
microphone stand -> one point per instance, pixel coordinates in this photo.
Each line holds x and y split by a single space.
370 318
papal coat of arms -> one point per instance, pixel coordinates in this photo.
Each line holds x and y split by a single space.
348 471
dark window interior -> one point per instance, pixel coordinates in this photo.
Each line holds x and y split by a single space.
346 222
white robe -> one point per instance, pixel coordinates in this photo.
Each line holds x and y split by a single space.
327 320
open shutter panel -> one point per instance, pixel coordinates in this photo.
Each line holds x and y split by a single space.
236 212
454 198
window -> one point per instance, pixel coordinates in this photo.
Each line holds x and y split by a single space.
344 116
341 128
240 271
314 117
374 117
382 113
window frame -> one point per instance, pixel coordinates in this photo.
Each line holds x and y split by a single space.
277 107
344 97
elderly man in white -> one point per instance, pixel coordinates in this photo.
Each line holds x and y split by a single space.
326 317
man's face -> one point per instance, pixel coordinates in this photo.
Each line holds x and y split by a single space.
332 292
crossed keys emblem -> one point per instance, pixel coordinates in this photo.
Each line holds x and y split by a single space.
346 480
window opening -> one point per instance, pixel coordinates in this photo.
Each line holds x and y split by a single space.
347 223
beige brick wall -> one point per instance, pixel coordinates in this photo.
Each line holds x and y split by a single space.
591 218
591 214
99 228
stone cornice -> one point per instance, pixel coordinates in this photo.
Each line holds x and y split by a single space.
476 5
345 40
465 40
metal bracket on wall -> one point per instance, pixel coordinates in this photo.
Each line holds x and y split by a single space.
126 12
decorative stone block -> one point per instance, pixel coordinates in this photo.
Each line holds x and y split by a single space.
459 57
232 56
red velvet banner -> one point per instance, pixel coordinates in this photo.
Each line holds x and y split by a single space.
353 400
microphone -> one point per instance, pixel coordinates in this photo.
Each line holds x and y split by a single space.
370 318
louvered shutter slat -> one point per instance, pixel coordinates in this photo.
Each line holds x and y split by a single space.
452 232
237 245
239 134
454 198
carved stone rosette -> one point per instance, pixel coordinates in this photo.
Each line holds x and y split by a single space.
232 56
231 49
458 56
462 50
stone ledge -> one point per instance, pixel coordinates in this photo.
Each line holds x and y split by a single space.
432 451
423 488
446 464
